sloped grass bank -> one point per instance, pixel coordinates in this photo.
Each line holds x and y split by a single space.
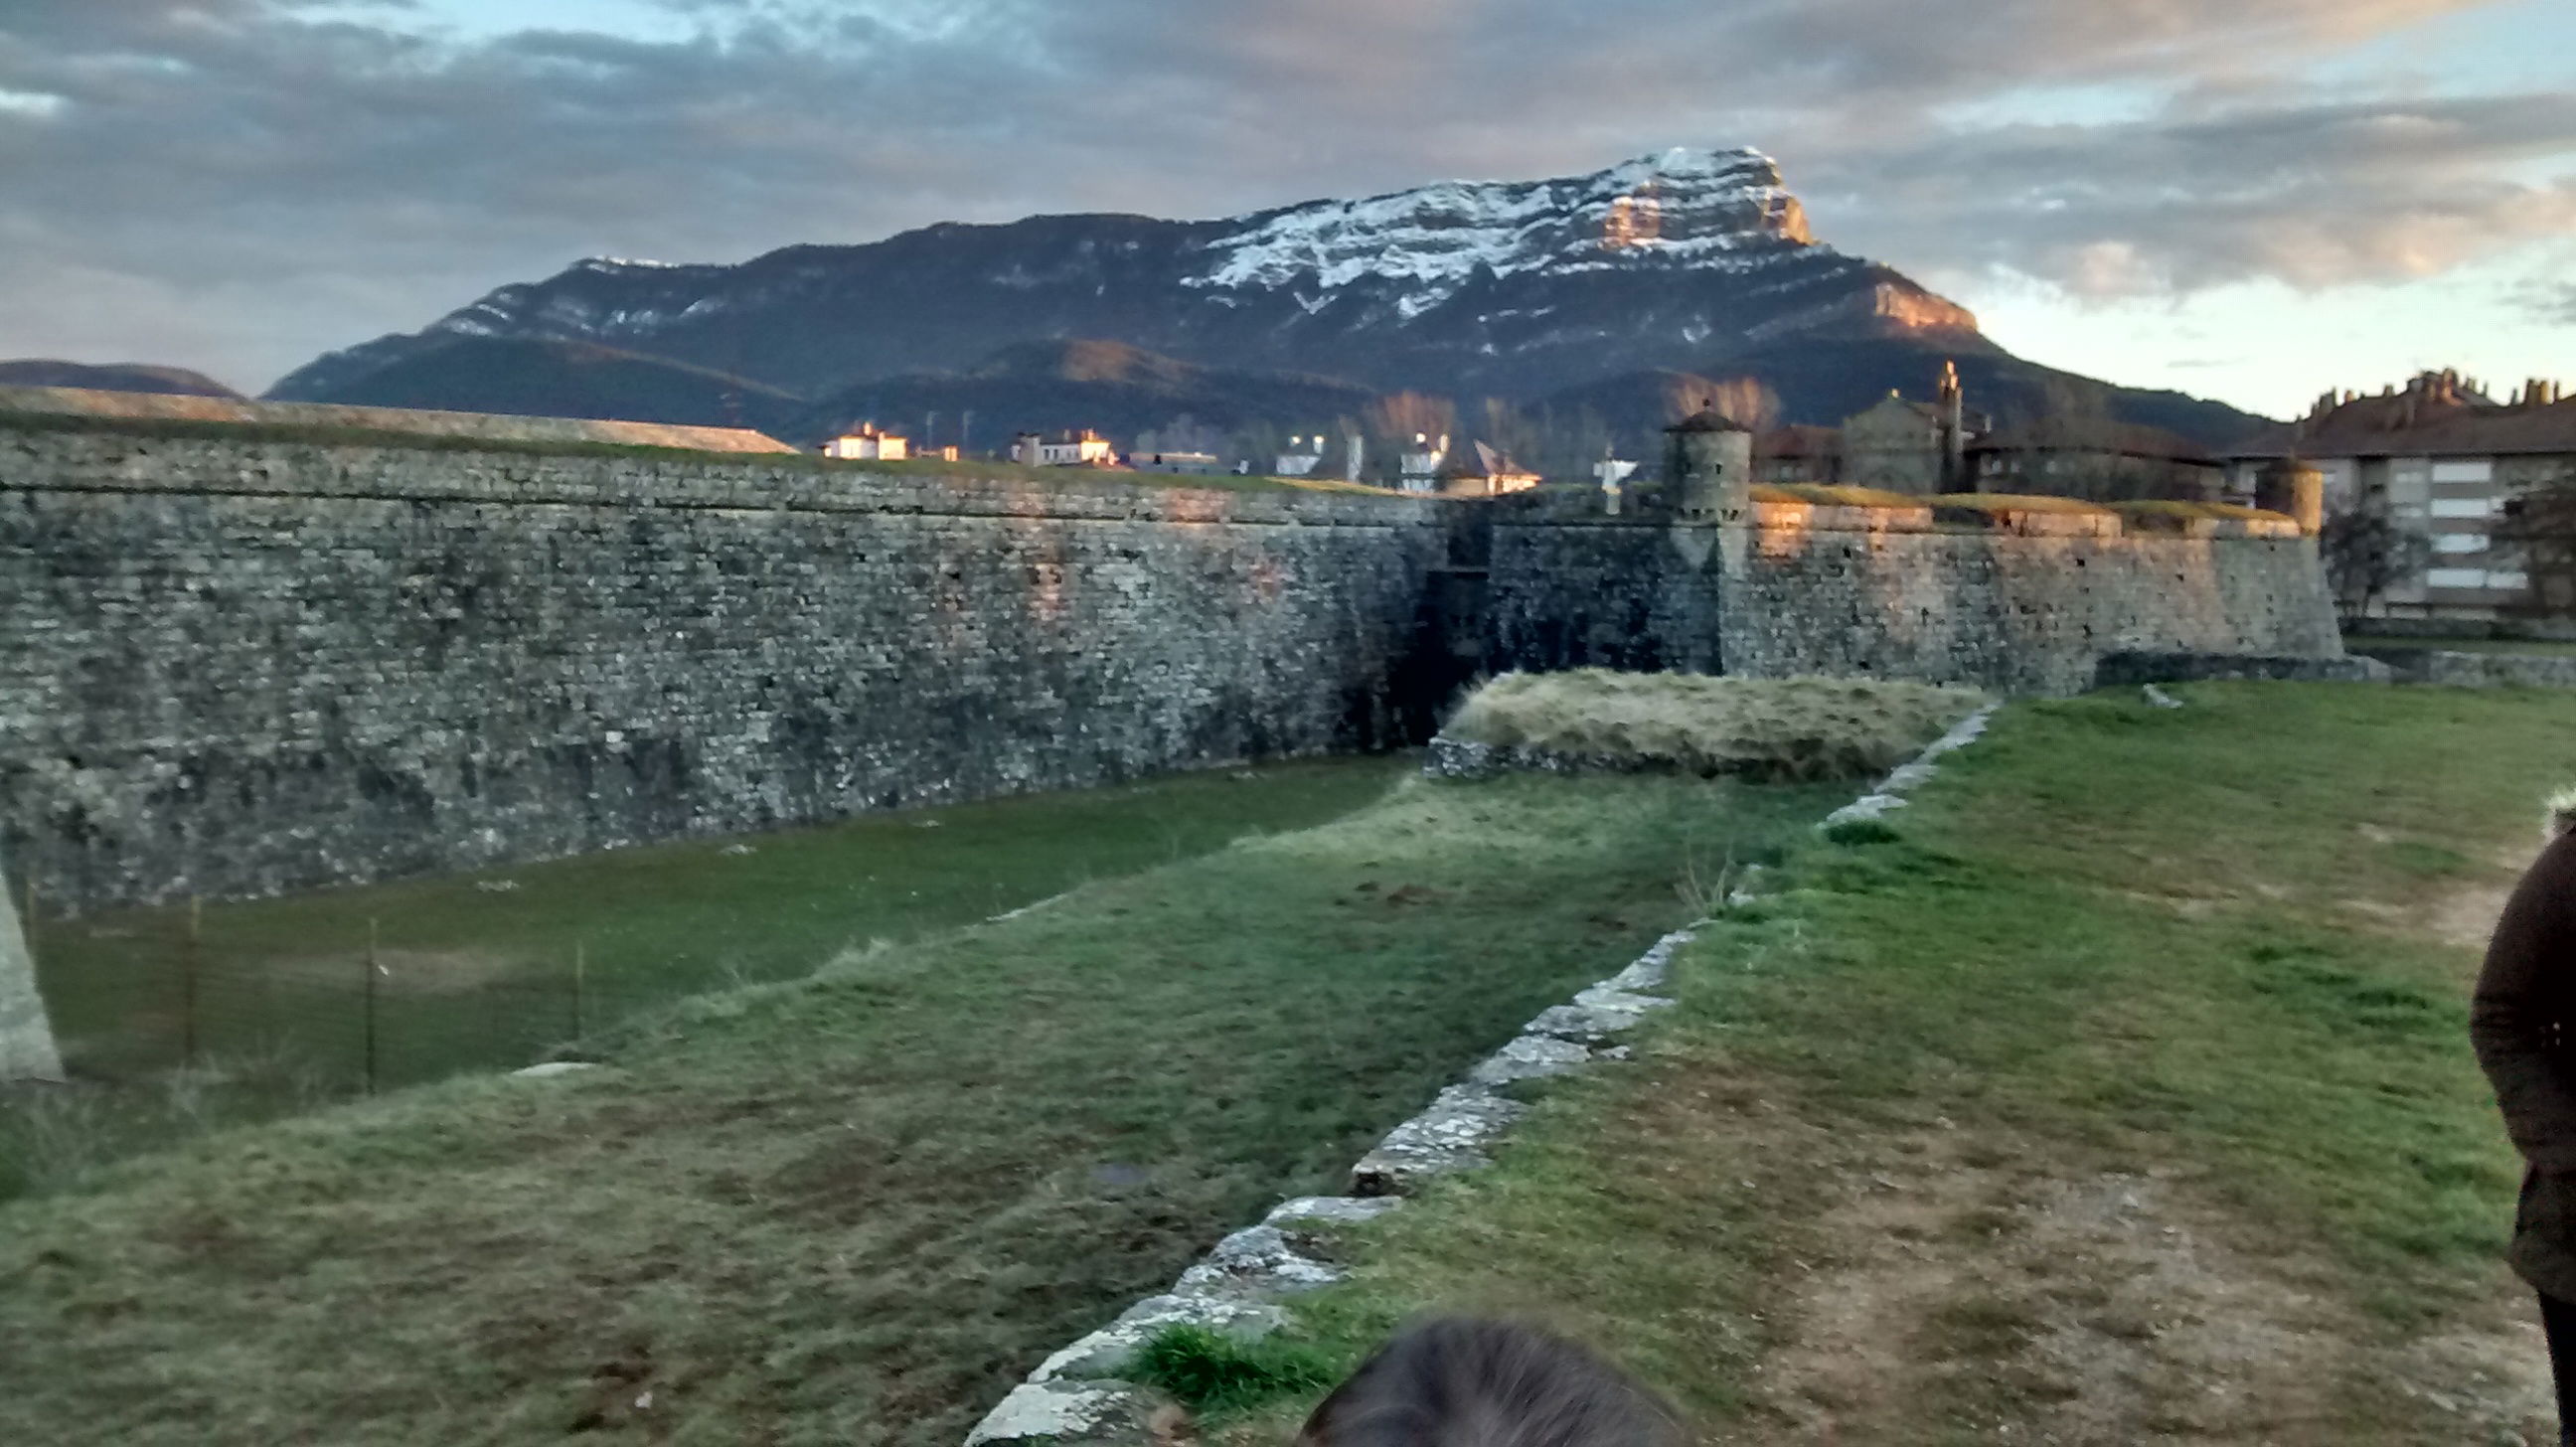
852 1209
2123 1094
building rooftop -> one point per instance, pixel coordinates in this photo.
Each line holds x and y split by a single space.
2093 434
1799 439
1708 419
2431 415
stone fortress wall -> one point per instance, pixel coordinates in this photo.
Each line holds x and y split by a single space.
2019 604
243 665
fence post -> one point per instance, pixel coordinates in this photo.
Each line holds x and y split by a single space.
371 1004
188 981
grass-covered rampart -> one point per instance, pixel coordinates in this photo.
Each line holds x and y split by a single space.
171 429
1800 728
2118 1092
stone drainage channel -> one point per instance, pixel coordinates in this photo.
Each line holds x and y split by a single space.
1240 1287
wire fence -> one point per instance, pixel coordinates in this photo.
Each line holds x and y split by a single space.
344 1016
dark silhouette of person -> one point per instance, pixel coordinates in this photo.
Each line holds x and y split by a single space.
1459 1382
2518 1020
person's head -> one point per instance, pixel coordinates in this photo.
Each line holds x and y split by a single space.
1466 1383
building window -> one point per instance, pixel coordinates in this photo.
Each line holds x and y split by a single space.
2455 578
2513 581
2463 507
2481 470
2459 542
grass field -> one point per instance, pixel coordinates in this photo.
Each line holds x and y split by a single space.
2120 1093
478 971
850 1209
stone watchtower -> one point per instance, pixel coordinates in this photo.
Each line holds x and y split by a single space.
2289 485
1709 458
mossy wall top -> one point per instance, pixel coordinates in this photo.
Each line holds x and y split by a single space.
243 666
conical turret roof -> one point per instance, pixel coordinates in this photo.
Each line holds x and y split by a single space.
1708 419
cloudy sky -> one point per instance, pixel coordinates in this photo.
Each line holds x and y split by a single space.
2248 199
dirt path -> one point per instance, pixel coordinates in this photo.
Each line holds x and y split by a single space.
1966 1289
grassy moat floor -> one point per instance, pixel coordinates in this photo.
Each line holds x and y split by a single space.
851 1208
2120 1093
266 1014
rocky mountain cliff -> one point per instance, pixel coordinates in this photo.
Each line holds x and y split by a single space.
1687 260
1489 287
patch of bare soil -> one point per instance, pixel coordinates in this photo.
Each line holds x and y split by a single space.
2466 917
404 972
1963 1289
2463 917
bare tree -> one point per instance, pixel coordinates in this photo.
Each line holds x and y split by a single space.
1399 416
2540 526
1746 400
2365 553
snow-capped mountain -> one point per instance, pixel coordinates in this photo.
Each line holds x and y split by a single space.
1676 259
1711 210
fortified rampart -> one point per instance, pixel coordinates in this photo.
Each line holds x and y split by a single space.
245 664
242 667
2021 603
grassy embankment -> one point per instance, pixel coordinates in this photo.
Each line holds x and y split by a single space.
967 469
854 1208
2118 1092
266 1013
1795 728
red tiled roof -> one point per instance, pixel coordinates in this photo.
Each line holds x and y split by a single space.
1799 439
2383 427
2094 434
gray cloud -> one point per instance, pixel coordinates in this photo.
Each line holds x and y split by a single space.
2311 194
2551 301
239 184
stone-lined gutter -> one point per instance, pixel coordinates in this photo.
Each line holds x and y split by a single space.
1241 1286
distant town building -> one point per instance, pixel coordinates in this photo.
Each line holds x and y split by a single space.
868 444
2096 459
1911 447
1083 448
2442 461
1491 474
1799 452
1302 457
1418 467
1188 463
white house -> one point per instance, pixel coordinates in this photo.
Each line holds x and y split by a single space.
1301 459
867 444
1084 448
1419 465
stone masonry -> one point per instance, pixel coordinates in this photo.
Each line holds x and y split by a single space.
241 668
240 665
2026 605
